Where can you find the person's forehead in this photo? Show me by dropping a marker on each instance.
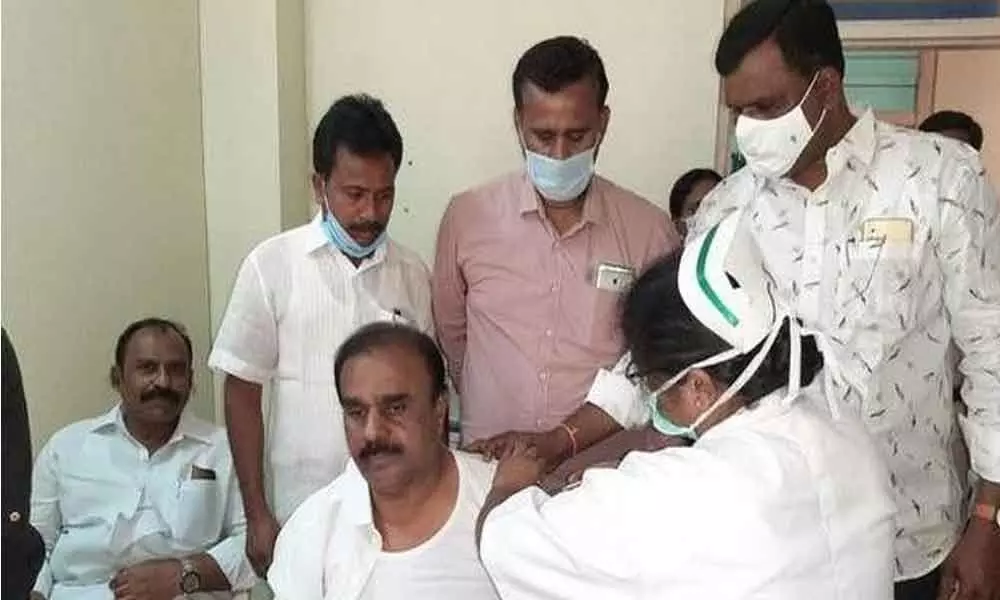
(352, 166)
(156, 343)
(385, 371)
(578, 99)
(762, 73)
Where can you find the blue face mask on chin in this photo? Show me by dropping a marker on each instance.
(342, 240)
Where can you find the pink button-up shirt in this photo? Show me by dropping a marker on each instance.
(520, 319)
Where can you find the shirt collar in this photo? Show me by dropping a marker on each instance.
(355, 497)
(188, 427)
(859, 143)
(313, 238)
(594, 209)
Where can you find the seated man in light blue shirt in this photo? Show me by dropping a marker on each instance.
(141, 503)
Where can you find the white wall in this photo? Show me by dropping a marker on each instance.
(443, 67)
(103, 200)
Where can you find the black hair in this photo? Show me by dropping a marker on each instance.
(555, 64)
(665, 338)
(384, 334)
(953, 119)
(360, 124)
(683, 186)
(805, 31)
(163, 325)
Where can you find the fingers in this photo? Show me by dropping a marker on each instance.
(519, 447)
(950, 589)
(947, 587)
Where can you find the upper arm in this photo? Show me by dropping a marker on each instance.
(968, 249)
(247, 342)
(46, 516)
(448, 290)
(448, 283)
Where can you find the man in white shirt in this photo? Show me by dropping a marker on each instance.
(400, 522)
(297, 297)
(141, 503)
(885, 241)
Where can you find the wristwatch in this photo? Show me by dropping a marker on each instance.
(987, 512)
(190, 579)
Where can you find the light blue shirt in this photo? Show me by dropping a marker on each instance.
(101, 502)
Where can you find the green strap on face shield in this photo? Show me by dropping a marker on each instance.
(727, 314)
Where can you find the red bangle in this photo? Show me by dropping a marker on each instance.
(571, 432)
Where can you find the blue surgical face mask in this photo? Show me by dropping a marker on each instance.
(561, 180)
(662, 422)
(343, 241)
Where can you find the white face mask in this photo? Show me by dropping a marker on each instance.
(771, 146)
(560, 180)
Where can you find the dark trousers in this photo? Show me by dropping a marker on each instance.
(924, 588)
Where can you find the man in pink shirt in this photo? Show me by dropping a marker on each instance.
(530, 267)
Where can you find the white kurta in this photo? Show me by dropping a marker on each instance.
(295, 300)
(331, 550)
(775, 502)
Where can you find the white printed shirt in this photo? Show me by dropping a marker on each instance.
(101, 502)
(887, 310)
(295, 301)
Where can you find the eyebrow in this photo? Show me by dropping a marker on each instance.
(393, 398)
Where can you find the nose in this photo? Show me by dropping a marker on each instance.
(366, 210)
(373, 425)
(562, 149)
(162, 377)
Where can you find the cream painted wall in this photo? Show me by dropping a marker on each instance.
(103, 199)
(443, 67)
(255, 133)
(968, 80)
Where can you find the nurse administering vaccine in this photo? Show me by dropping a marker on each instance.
(774, 498)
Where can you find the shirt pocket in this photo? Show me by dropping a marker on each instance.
(878, 286)
(200, 510)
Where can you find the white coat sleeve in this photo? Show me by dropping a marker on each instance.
(617, 396)
(578, 544)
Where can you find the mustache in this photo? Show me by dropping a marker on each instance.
(372, 227)
(372, 449)
(161, 393)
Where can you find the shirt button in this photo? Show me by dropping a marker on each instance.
(543, 375)
(548, 333)
(14, 517)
